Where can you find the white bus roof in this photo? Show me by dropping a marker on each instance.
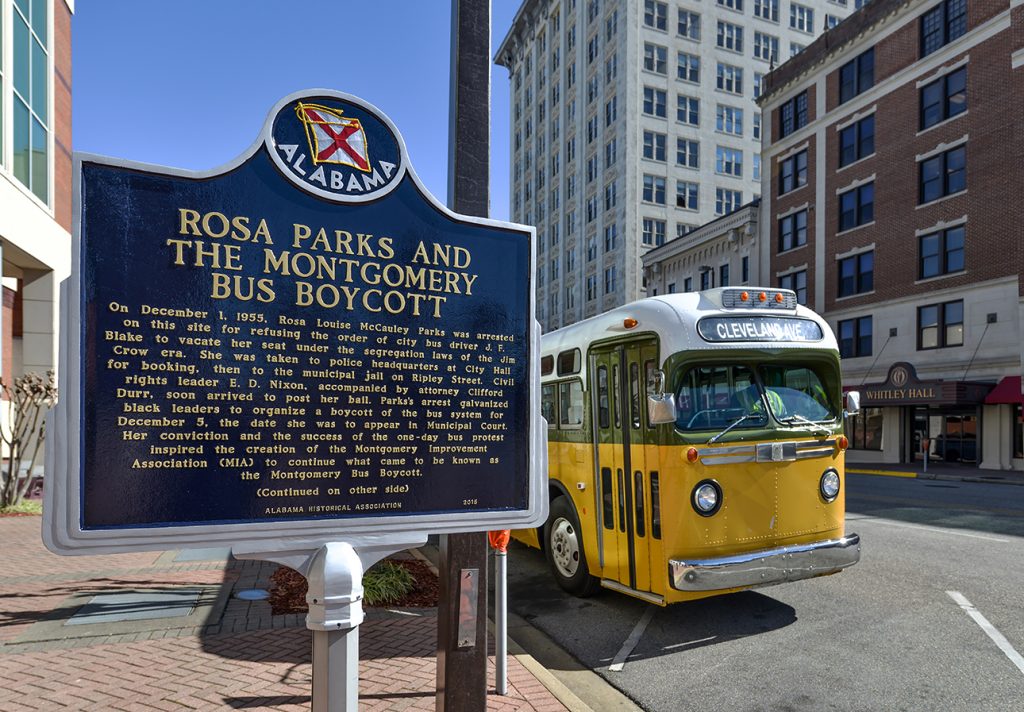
(673, 319)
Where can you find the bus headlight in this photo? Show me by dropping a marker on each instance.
(829, 485)
(706, 498)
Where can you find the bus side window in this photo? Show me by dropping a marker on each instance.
(602, 397)
(547, 404)
(634, 394)
(570, 401)
(615, 395)
(655, 506)
(638, 501)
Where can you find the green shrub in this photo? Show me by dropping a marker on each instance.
(386, 582)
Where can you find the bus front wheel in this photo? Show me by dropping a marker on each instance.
(563, 544)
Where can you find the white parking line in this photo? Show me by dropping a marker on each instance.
(634, 637)
(990, 630)
(937, 530)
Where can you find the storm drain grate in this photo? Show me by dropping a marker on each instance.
(136, 606)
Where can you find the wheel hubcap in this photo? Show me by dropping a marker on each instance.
(565, 547)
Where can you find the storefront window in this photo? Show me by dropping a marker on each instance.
(1018, 430)
(865, 429)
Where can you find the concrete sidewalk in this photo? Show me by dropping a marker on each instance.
(218, 653)
(938, 470)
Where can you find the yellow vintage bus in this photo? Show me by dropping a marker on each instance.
(695, 447)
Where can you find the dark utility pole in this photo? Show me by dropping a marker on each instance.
(462, 609)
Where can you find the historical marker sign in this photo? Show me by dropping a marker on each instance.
(303, 344)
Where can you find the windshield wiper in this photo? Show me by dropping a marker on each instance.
(732, 425)
(816, 428)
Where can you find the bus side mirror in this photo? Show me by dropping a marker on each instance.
(852, 403)
(661, 406)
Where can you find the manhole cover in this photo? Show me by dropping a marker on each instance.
(135, 606)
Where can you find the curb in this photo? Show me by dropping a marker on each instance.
(990, 480)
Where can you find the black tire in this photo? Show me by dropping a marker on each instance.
(563, 546)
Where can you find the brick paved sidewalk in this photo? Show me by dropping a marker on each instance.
(239, 657)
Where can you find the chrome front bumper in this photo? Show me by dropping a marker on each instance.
(766, 567)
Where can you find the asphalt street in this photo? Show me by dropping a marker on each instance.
(930, 619)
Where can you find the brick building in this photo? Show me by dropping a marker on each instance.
(891, 195)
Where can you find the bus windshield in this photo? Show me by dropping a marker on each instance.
(713, 397)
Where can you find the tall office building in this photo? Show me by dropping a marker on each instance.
(634, 122)
(35, 178)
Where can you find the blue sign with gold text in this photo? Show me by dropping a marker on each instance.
(305, 335)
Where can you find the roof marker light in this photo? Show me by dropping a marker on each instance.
(629, 323)
(778, 297)
(692, 454)
(762, 297)
(842, 442)
(744, 296)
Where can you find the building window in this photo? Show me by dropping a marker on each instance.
(611, 25)
(767, 10)
(766, 47)
(688, 67)
(726, 201)
(610, 152)
(723, 275)
(729, 78)
(654, 102)
(609, 196)
(756, 166)
(942, 25)
(729, 119)
(687, 153)
(857, 206)
(688, 284)
(831, 21)
(688, 110)
(591, 287)
(609, 280)
(796, 281)
(611, 111)
(796, 48)
(654, 146)
(707, 279)
(865, 429)
(687, 195)
(745, 269)
(655, 58)
(736, 5)
(758, 83)
(683, 229)
(689, 25)
(793, 172)
(653, 233)
(30, 93)
(611, 237)
(654, 189)
(857, 141)
(855, 337)
(941, 252)
(593, 47)
(592, 248)
(943, 174)
(757, 124)
(857, 274)
(730, 36)
(944, 98)
(940, 326)
(655, 14)
(729, 161)
(801, 18)
(793, 231)
(591, 209)
(857, 76)
(793, 115)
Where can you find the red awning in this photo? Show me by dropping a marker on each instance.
(1006, 391)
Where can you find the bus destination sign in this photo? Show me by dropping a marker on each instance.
(303, 342)
(758, 328)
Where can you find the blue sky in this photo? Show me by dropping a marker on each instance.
(189, 83)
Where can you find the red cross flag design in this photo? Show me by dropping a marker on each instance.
(334, 138)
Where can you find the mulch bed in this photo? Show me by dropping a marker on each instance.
(288, 594)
